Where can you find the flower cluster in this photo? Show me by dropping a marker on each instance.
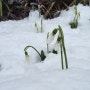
(59, 44)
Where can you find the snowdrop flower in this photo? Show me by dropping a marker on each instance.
(50, 37)
(27, 58)
(57, 45)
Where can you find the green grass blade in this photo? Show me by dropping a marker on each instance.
(63, 46)
(0, 8)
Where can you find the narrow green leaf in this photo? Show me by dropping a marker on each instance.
(42, 55)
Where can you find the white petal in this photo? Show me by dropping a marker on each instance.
(56, 46)
(50, 39)
(27, 59)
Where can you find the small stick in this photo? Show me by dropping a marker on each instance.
(48, 11)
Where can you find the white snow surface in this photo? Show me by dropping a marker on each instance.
(16, 74)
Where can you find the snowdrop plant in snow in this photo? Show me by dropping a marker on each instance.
(27, 58)
(39, 28)
(74, 23)
(42, 55)
(62, 46)
(50, 38)
(58, 45)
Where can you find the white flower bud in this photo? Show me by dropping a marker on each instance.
(27, 58)
(50, 38)
(56, 46)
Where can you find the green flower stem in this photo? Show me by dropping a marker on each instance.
(41, 25)
(33, 48)
(47, 43)
(61, 56)
(63, 45)
(65, 56)
(36, 27)
(47, 48)
(66, 63)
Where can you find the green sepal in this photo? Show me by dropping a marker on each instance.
(26, 53)
(54, 32)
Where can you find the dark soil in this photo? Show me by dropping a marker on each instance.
(47, 8)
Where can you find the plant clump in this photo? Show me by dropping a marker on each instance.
(74, 23)
(59, 45)
(42, 55)
(39, 28)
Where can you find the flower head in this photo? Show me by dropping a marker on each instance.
(57, 45)
(27, 59)
(50, 37)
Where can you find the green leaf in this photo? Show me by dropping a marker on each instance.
(42, 55)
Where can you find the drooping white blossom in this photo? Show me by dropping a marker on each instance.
(50, 38)
(27, 59)
(56, 46)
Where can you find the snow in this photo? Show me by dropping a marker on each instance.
(16, 74)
